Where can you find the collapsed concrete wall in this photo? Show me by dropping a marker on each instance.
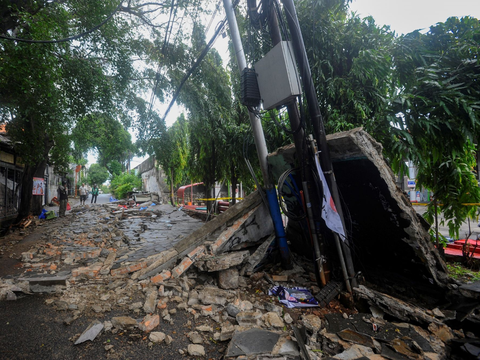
(387, 234)
(389, 242)
(153, 178)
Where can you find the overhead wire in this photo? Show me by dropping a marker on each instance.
(70, 38)
(162, 52)
(219, 29)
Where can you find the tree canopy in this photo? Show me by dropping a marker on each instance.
(97, 174)
(435, 115)
(74, 75)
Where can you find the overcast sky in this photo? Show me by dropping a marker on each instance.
(408, 15)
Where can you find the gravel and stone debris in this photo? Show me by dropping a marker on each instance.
(133, 272)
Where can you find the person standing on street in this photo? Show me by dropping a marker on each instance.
(94, 194)
(83, 193)
(62, 195)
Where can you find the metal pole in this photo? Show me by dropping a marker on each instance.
(319, 130)
(254, 120)
(260, 143)
(313, 234)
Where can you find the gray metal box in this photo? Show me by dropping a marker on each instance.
(278, 80)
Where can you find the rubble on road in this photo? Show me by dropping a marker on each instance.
(138, 271)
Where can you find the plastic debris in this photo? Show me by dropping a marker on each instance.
(294, 296)
(42, 215)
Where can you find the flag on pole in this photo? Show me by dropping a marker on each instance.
(329, 211)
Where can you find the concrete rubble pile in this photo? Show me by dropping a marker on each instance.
(143, 271)
(141, 266)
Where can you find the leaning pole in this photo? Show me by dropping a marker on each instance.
(260, 143)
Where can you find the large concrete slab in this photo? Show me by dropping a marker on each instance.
(389, 242)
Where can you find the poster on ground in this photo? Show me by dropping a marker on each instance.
(38, 186)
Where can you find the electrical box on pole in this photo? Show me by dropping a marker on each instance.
(250, 94)
(278, 79)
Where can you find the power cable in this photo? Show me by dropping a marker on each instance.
(164, 46)
(219, 29)
(68, 38)
(213, 16)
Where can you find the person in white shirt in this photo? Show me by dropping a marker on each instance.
(83, 194)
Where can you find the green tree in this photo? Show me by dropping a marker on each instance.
(124, 183)
(45, 87)
(171, 152)
(97, 174)
(114, 168)
(351, 61)
(436, 113)
(105, 135)
(207, 97)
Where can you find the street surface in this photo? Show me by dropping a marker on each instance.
(468, 227)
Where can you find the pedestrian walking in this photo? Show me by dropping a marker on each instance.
(83, 193)
(94, 194)
(62, 195)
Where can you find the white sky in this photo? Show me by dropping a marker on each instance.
(408, 15)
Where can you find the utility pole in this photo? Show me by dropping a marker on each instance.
(260, 143)
(319, 130)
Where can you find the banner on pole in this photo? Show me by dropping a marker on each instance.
(329, 211)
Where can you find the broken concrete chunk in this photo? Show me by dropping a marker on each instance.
(204, 328)
(249, 318)
(149, 323)
(287, 318)
(286, 347)
(212, 295)
(272, 319)
(10, 296)
(107, 265)
(124, 322)
(222, 262)
(196, 350)
(312, 322)
(227, 331)
(355, 352)
(442, 331)
(273, 308)
(228, 279)
(150, 301)
(90, 332)
(195, 337)
(438, 313)
(157, 337)
(252, 342)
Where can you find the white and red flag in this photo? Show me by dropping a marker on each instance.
(329, 211)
